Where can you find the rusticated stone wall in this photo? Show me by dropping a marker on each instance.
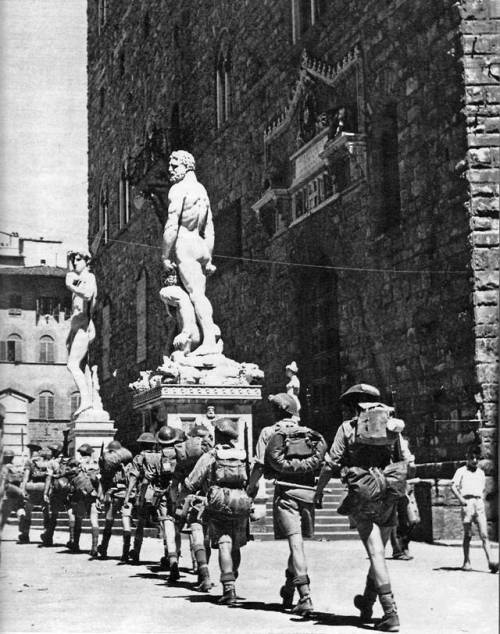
(425, 334)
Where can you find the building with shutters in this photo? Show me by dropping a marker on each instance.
(36, 389)
(348, 149)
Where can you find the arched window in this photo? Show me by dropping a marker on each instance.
(141, 317)
(104, 213)
(75, 402)
(124, 195)
(11, 349)
(46, 405)
(223, 85)
(47, 348)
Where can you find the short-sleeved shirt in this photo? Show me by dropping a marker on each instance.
(470, 482)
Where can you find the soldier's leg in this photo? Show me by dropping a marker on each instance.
(24, 515)
(109, 516)
(301, 579)
(77, 530)
(71, 524)
(94, 523)
(135, 553)
(127, 531)
(198, 546)
(288, 589)
(227, 576)
(171, 546)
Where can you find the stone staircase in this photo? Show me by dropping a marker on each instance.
(329, 525)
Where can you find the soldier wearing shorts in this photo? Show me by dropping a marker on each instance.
(84, 498)
(468, 487)
(293, 508)
(221, 474)
(32, 487)
(13, 499)
(55, 495)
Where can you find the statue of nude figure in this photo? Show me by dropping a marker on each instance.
(81, 282)
(188, 241)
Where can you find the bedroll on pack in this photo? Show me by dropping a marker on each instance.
(188, 452)
(82, 483)
(376, 426)
(111, 461)
(167, 465)
(295, 451)
(226, 502)
(229, 469)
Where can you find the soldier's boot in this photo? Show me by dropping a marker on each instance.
(102, 549)
(390, 621)
(364, 602)
(229, 591)
(24, 527)
(126, 547)
(77, 531)
(95, 541)
(71, 541)
(47, 537)
(304, 606)
(173, 565)
(204, 581)
(164, 562)
(135, 553)
(288, 590)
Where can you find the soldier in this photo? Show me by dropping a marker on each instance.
(13, 497)
(361, 453)
(32, 486)
(143, 499)
(112, 489)
(84, 499)
(221, 474)
(55, 495)
(293, 454)
(191, 513)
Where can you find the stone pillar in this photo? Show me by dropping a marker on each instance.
(90, 427)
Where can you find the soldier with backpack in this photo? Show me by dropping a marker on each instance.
(13, 498)
(190, 513)
(32, 487)
(143, 497)
(291, 454)
(221, 474)
(55, 494)
(112, 488)
(84, 478)
(367, 454)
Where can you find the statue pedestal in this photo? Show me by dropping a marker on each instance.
(183, 406)
(93, 432)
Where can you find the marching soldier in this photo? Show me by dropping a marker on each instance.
(362, 452)
(84, 499)
(112, 489)
(221, 474)
(143, 499)
(13, 498)
(55, 495)
(33, 485)
(292, 454)
(190, 513)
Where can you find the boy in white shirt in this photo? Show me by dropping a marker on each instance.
(468, 487)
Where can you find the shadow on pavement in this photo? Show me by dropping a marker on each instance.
(455, 568)
(325, 618)
(258, 605)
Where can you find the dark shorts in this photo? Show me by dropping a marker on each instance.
(237, 529)
(292, 517)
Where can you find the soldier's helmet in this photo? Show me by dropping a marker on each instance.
(285, 402)
(146, 438)
(361, 392)
(34, 446)
(46, 453)
(114, 445)
(181, 435)
(55, 447)
(8, 453)
(85, 450)
(227, 428)
(167, 435)
(200, 431)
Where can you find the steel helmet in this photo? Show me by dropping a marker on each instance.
(199, 430)
(285, 402)
(227, 427)
(55, 446)
(114, 445)
(146, 438)
(361, 392)
(167, 435)
(85, 450)
(8, 453)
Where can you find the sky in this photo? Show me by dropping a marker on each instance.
(43, 120)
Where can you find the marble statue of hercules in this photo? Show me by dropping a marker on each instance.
(188, 241)
(81, 282)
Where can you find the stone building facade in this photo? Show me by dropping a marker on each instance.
(350, 151)
(36, 389)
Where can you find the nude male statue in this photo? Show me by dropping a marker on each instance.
(188, 241)
(81, 282)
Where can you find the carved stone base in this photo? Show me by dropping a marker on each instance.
(182, 406)
(92, 432)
